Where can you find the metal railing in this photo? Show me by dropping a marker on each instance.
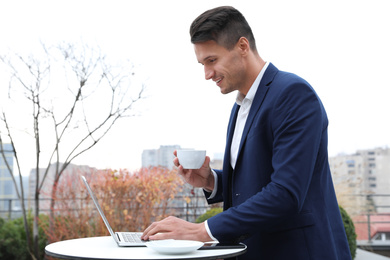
(369, 222)
(372, 214)
(10, 209)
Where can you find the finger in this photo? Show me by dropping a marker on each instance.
(206, 162)
(176, 162)
(161, 236)
(150, 231)
(146, 232)
(153, 229)
(185, 173)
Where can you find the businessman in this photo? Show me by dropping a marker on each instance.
(275, 184)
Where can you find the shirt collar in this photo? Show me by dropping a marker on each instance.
(252, 91)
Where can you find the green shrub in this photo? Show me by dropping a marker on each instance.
(13, 244)
(350, 231)
(211, 212)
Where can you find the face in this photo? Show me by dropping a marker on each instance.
(225, 67)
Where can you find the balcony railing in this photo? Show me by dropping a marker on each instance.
(10, 207)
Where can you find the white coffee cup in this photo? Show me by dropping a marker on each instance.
(191, 159)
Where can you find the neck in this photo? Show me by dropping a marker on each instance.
(255, 65)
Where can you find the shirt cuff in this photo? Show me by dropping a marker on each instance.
(209, 232)
(214, 191)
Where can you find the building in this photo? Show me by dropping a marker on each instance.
(159, 157)
(10, 206)
(72, 171)
(362, 180)
(7, 187)
(377, 225)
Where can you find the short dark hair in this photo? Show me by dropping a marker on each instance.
(224, 25)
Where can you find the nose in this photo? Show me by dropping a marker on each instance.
(208, 73)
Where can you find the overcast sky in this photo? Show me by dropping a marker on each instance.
(340, 47)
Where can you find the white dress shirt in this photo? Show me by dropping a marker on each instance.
(245, 103)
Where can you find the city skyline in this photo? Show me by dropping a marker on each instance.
(340, 48)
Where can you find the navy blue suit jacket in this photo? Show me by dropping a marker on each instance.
(279, 200)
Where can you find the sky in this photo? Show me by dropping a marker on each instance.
(340, 47)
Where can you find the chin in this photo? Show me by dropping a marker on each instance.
(225, 91)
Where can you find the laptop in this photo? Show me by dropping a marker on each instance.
(121, 238)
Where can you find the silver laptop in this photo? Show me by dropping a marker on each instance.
(121, 238)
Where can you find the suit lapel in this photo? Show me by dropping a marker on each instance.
(257, 101)
(230, 133)
(227, 192)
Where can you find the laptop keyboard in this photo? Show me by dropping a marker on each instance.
(132, 237)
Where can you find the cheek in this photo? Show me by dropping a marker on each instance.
(235, 66)
(236, 72)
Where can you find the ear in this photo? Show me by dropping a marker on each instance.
(243, 45)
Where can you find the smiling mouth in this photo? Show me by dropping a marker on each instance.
(218, 81)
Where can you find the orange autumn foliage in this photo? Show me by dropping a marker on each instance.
(130, 201)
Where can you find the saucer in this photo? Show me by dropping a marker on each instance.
(171, 246)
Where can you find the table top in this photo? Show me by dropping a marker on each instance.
(106, 248)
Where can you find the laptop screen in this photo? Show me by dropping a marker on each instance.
(99, 208)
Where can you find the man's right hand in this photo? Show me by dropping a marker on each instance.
(199, 178)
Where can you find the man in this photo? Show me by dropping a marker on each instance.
(275, 184)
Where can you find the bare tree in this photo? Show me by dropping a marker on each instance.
(66, 101)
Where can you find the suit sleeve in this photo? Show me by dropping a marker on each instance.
(297, 125)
